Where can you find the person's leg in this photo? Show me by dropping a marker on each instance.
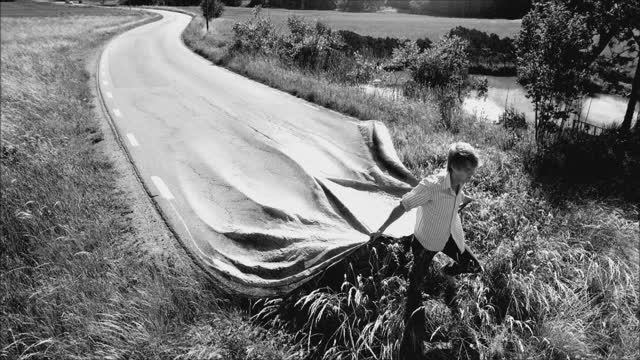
(411, 347)
(465, 262)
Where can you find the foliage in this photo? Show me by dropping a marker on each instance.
(488, 53)
(439, 74)
(310, 45)
(405, 56)
(510, 9)
(377, 47)
(551, 64)
(296, 4)
(256, 35)
(211, 9)
(362, 71)
(512, 119)
(612, 26)
(572, 158)
(559, 281)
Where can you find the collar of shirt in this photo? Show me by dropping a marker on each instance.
(447, 183)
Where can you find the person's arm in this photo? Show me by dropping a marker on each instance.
(395, 214)
(419, 195)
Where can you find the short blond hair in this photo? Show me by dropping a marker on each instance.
(461, 153)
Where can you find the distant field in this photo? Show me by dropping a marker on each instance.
(403, 26)
(40, 9)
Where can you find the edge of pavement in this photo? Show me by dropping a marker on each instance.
(153, 232)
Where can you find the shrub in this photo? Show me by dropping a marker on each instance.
(488, 53)
(310, 45)
(439, 74)
(570, 161)
(255, 35)
(378, 47)
(362, 70)
(512, 119)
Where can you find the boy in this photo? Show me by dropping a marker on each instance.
(438, 228)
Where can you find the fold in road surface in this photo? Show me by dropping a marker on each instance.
(265, 190)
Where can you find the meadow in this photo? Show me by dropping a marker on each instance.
(561, 259)
(398, 25)
(25, 8)
(80, 281)
(81, 278)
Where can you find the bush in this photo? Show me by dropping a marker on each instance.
(440, 74)
(293, 4)
(378, 47)
(488, 53)
(255, 35)
(310, 45)
(512, 119)
(510, 9)
(570, 163)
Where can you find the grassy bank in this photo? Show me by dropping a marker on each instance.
(561, 276)
(78, 279)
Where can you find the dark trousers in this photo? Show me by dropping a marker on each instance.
(411, 346)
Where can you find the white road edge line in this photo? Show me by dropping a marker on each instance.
(162, 187)
(132, 140)
(117, 112)
(109, 94)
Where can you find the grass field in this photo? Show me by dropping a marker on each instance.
(402, 26)
(77, 279)
(46, 9)
(561, 278)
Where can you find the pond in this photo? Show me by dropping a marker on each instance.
(601, 110)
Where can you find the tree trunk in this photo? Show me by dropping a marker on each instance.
(633, 99)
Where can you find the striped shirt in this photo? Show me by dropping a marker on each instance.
(437, 214)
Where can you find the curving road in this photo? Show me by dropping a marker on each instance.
(264, 189)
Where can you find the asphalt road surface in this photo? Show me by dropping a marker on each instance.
(264, 189)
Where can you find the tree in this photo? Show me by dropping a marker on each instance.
(551, 63)
(613, 25)
(211, 9)
(442, 70)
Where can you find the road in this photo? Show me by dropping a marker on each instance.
(264, 189)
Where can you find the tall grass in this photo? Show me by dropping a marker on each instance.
(78, 281)
(561, 281)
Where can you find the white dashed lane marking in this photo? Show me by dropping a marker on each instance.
(162, 187)
(132, 140)
(109, 94)
(117, 112)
